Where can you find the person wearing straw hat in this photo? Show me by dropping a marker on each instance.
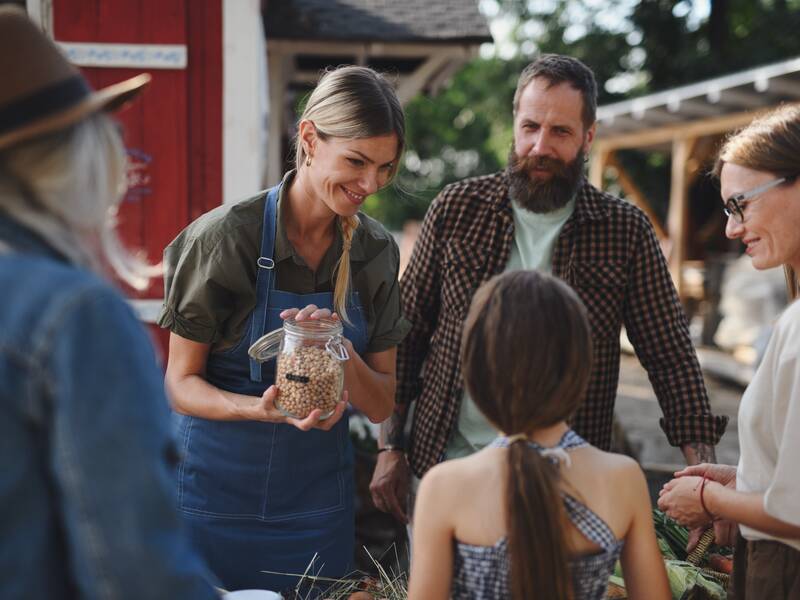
(86, 456)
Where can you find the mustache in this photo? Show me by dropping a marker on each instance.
(526, 164)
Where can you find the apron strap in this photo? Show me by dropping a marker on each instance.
(265, 277)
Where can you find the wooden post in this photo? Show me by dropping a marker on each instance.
(277, 86)
(636, 196)
(597, 167)
(243, 82)
(677, 219)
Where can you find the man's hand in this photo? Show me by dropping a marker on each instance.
(390, 483)
(697, 453)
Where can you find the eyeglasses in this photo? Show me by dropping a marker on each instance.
(735, 205)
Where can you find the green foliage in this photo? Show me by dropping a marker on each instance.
(634, 47)
(464, 130)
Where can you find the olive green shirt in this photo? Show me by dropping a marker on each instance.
(210, 274)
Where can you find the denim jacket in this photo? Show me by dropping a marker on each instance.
(87, 487)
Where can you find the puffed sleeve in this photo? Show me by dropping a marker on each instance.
(203, 279)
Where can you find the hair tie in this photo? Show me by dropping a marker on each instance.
(517, 437)
(556, 456)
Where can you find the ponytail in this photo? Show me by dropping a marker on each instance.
(542, 323)
(537, 543)
(341, 289)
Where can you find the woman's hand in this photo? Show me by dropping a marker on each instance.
(265, 410)
(309, 312)
(680, 499)
(724, 531)
(370, 380)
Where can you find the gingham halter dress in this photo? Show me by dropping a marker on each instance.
(481, 572)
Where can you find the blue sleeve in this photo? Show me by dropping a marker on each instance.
(113, 457)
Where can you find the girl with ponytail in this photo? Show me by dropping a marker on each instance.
(263, 491)
(539, 513)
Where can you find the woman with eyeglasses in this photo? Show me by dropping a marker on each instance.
(758, 170)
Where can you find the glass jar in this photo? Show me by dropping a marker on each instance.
(309, 371)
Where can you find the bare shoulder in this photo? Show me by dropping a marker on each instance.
(440, 479)
(612, 485)
(436, 476)
(618, 470)
(455, 477)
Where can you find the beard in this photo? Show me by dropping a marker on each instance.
(543, 195)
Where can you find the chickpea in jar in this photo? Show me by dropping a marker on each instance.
(309, 377)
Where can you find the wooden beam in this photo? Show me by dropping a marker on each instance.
(783, 86)
(677, 219)
(658, 115)
(694, 108)
(660, 135)
(452, 67)
(636, 196)
(398, 49)
(411, 85)
(742, 98)
(597, 167)
(704, 148)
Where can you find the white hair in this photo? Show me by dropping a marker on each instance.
(67, 187)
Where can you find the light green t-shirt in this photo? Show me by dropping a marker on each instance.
(535, 236)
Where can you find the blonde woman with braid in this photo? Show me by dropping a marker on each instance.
(259, 490)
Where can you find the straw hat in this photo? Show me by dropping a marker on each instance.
(40, 91)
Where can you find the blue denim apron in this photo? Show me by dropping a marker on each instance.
(265, 496)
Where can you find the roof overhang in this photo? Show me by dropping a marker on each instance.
(726, 101)
(418, 66)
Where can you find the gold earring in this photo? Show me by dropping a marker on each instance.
(308, 160)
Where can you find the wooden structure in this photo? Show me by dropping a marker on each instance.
(215, 119)
(687, 122)
(420, 42)
(179, 152)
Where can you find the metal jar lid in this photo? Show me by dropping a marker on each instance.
(268, 345)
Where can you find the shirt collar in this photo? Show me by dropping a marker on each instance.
(16, 237)
(283, 248)
(590, 205)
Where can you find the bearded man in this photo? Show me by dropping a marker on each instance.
(540, 213)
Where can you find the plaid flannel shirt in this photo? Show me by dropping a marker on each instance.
(607, 252)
